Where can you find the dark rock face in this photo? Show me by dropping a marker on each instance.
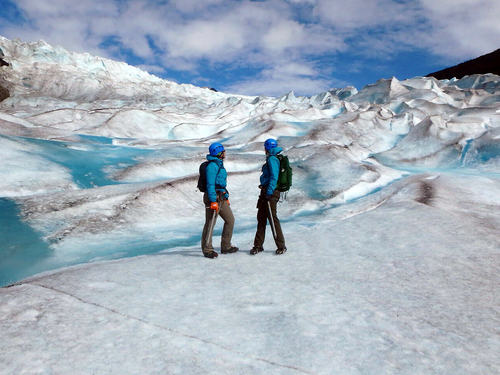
(4, 93)
(426, 193)
(489, 63)
(2, 61)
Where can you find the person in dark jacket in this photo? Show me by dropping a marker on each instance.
(216, 200)
(268, 199)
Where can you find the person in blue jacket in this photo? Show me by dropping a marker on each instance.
(269, 193)
(216, 200)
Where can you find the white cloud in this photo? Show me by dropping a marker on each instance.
(59, 24)
(302, 1)
(253, 33)
(462, 28)
(217, 30)
(262, 35)
(302, 78)
(278, 87)
(283, 35)
(296, 69)
(448, 28)
(153, 69)
(190, 6)
(206, 39)
(355, 14)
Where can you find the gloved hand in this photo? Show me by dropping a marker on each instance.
(268, 197)
(214, 206)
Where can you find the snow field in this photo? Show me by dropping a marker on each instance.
(367, 293)
(391, 226)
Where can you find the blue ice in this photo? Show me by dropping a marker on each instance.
(87, 160)
(22, 252)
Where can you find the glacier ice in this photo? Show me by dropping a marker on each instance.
(392, 224)
(127, 127)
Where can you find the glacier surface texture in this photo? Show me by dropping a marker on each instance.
(392, 225)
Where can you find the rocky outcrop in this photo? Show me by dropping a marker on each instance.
(489, 63)
(2, 61)
(4, 93)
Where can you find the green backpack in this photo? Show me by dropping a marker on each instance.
(285, 176)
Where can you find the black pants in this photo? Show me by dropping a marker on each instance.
(263, 217)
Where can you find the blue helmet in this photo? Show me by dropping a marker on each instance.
(215, 149)
(270, 143)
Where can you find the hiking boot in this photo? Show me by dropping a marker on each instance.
(211, 254)
(232, 249)
(256, 249)
(281, 250)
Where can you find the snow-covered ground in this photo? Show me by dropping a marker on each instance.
(392, 226)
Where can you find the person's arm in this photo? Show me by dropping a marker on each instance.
(274, 171)
(212, 169)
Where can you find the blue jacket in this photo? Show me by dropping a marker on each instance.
(216, 178)
(271, 171)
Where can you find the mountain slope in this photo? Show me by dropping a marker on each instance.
(489, 63)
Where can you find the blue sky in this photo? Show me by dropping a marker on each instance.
(269, 46)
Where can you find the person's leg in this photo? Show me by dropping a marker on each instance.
(226, 214)
(280, 239)
(206, 243)
(262, 215)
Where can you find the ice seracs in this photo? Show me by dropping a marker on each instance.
(391, 224)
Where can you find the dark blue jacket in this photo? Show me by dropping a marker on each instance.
(271, 171)
(216, 178)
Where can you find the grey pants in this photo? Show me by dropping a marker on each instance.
(226, 214)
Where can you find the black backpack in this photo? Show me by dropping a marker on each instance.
(202, 179)
(285, 176)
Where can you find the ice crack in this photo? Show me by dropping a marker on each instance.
(170, 330)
